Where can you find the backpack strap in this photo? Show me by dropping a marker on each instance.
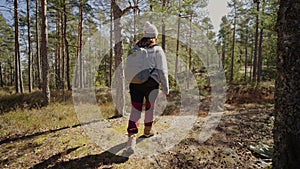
(152, 71)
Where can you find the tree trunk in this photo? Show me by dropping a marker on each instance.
(29, 48)
(11, 75)
(111, 46)
(20, 68)
(207, 51)
(118, 49)
(16, 45)
(80, 45)
(67, 50)
(287, 97)
(38, 57)
(246, 57)
(259, 60)
(233, 48)
(177, 44)
(64, 24)
(163, 29)
(190, 44)
(134, 22)
(190, 53)
(57, 58)
(254, 77)
(1, 76)
(251, 59)
(260, 57)
(223, 54)
(44, 53)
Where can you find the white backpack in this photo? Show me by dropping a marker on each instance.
(137, 68)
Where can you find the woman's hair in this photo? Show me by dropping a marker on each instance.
(147, 42)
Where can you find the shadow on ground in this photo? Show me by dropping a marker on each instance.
(90, 161)
(107, 157)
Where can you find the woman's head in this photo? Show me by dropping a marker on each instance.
(150, 34)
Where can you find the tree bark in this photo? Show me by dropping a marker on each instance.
(68, 60)
(18, 70)
(190, 43)
(246, 58)
(16, 13)
(20, 67)
(57, 58)
(259, 60)
(177, 47)
(80, 44)
(233, 46)
(118, 49)
(177, 43)
(251, 59)
(111, 46)
(38, 57)
(11, 74)
(134, 22)
(29, 47)
(287, 87)
(44, 53)
(223, 55)
(1, 76)
(190, 52)
(64, 24)
(260, 57)
(254, 76)
(163, 29)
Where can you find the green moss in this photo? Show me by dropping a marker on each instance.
(3, 132)
(41, 139)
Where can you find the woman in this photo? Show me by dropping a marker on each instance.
(149, 89)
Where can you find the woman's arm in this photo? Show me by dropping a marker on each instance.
(162, 68)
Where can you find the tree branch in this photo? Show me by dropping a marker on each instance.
(115, 6)
(129, 8)
(121, 12)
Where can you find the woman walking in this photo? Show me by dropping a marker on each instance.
(148, 90)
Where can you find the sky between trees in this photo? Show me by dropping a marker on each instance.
(216, 9)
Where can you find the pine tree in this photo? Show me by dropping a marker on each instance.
(118, 49)
(37, 40)
(29, 48)
(18, 69)
(44, 53)
(287, 110)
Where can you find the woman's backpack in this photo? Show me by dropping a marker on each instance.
(137, 67)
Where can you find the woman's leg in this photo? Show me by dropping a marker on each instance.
(149, 114)
(137, 98)
(151, 93)
(151, 96)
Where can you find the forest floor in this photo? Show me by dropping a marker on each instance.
(52, 137)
